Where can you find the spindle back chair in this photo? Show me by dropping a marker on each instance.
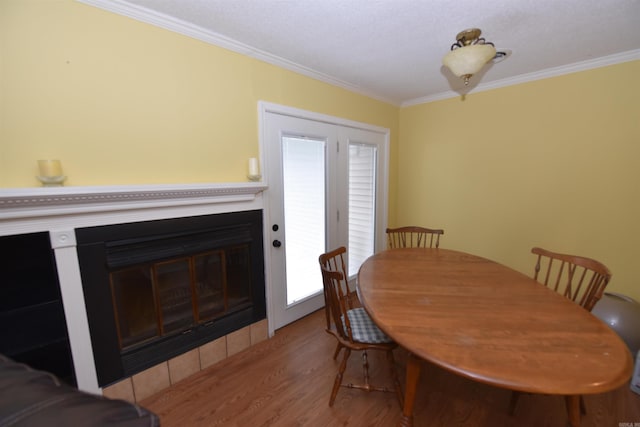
(413, 237)
(582, 280)
(352, 326)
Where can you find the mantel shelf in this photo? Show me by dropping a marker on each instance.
(47, 201)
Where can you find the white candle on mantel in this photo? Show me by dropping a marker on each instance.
(50, 168)
(253, 167)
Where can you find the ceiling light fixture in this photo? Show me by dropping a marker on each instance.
(469, 54)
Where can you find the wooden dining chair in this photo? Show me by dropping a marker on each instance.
(413, 237)
(335, 261)
(580, 279)
(352, 327)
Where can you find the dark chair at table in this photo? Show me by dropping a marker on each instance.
(413, 237)
(335, 261)
(352, 326)
(578, 278)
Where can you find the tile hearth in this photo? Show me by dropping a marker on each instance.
(163, 375)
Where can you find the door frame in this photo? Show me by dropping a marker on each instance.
(268, 107)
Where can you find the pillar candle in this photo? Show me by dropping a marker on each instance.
(50, 168)
(253, 166)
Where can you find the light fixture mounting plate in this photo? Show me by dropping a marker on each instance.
(468, 36)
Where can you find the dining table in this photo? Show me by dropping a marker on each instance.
(490, 323)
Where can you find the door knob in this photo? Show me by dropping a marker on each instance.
(276, 243)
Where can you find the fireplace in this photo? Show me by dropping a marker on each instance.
(156, 289)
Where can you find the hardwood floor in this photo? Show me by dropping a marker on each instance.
(287, 380)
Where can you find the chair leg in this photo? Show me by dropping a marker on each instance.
(365, 370)
(338, 381)
(394, 378)
(583, 407)
(515, 395)
(337, 352)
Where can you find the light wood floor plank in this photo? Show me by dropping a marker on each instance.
(287, 380)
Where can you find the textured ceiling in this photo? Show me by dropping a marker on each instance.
(392, 49)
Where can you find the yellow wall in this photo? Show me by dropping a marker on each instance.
(123, 102)
(551, 163)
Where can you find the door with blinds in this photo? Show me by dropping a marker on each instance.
(326, 188)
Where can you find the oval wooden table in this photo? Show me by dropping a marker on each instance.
(487, 322)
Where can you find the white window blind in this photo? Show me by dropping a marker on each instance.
(303, 165)
(362, 203)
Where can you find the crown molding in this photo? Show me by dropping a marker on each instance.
(632, 55)
(121, 7)
(161, 20)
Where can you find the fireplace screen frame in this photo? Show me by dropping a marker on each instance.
(161, 298)
(104, 250)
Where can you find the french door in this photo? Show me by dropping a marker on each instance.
(326, 188)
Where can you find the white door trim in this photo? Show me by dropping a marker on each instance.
(267, 107)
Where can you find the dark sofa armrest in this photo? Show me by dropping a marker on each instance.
(31, 398)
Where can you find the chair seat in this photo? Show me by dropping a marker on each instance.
(363, 328)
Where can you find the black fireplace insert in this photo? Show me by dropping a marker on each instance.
(156, 289)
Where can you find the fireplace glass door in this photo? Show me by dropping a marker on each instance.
(172, 296)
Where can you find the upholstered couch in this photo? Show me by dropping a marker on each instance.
(31, 398)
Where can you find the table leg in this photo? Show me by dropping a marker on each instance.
(413, 374)
(573, 410)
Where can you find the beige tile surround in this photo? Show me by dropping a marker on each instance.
(163, 375)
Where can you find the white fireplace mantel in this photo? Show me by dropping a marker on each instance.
(46, 208)
(61, 210)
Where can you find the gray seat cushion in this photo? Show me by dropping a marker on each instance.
(363, 329)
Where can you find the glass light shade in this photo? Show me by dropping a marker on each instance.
(468, 60)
